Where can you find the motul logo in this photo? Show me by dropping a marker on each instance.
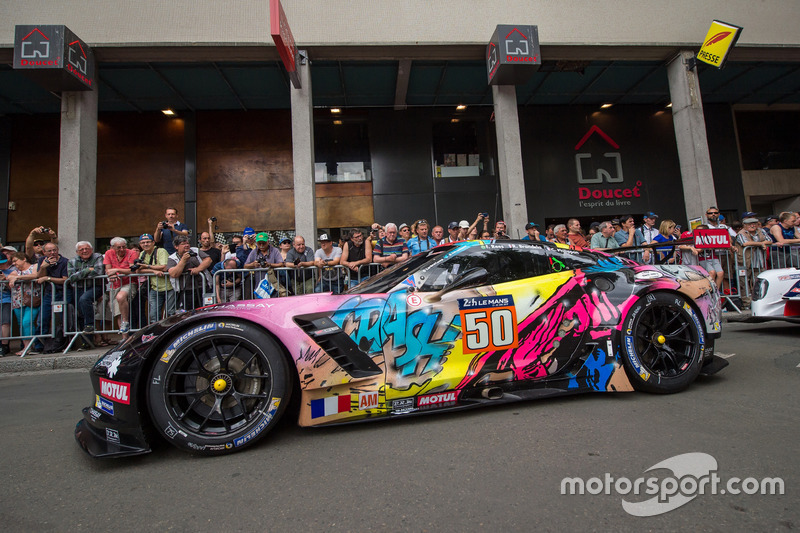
(712, 239)
(437, 399)
(114, 390)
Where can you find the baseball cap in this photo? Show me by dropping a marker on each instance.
(452, 225)
(771, 217)
(615, 221)
(9, 248)
(530, 225)
(650, 214)
(594, 225)
(463, 224)
(145, 237)
(287, 239)
(401, 226)
(749, 220)
(248, 231)
(262, 237)
(749, 214)
(324, 237)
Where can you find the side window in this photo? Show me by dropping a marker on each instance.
(511, 265)
(560, 261)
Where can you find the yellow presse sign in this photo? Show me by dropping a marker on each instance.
(718, 42)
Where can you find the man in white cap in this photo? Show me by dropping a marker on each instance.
(326, 258)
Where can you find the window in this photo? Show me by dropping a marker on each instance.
(462, 148)
(341, 150)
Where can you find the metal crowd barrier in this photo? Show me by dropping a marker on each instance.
(740, 269)
(31, 322)
(151, 297)
(755, 261)
(241, 284)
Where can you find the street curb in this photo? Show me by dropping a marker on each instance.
(33, 363)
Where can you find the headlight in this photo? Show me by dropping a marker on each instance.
(760, 288)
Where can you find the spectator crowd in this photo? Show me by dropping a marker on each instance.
(162, 273)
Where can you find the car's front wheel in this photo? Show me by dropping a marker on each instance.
(218, 387)
(663, 343)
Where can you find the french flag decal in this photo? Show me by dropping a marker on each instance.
(330, 406)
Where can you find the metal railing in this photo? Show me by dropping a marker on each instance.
(64, 312)
(83, 311)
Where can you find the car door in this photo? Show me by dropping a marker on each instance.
(517, 323)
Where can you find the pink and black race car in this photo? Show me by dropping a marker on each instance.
(464, 325)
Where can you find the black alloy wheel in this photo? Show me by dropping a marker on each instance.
(663, 343)
(218, 387)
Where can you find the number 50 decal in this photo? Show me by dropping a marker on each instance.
(489, 329)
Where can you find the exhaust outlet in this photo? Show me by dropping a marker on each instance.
(492, 393)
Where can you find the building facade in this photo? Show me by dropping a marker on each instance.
(403, 124)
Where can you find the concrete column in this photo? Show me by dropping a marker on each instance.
(305, 200)
(77, 170)
(509, 158)
(690, 135)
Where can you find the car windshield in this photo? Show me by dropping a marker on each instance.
(389, 278)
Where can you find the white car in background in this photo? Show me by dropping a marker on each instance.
(776, 295)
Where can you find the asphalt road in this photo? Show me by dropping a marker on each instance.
(488, 469)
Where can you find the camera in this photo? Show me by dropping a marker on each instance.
(297, 261)
(192, 253)
(262, 262)
(45, 230)
(485, 215)
(137, 263)
(165, 223)
(232, 247)
(213, 219)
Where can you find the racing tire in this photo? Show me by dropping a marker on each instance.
(218, 387)
(662, 343)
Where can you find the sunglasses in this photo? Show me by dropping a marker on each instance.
(712, 212)
(38, 243)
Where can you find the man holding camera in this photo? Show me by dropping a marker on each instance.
(52, 268)
(168, 229)
(37, 238)
(265, 256)
(188, 268)
(207, 246)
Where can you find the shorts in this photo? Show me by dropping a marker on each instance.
(130, 288)
(711, 264)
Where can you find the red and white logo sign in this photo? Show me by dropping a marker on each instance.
(437, 399)
(114, 390)
(413, 300)
(711, 238)
(368, 400)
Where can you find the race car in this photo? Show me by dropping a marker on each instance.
(776, 296)
(464, 325)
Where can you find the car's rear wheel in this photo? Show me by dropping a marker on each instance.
(218, 387)
(663, 343)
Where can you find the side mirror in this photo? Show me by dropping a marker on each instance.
(473, 277)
